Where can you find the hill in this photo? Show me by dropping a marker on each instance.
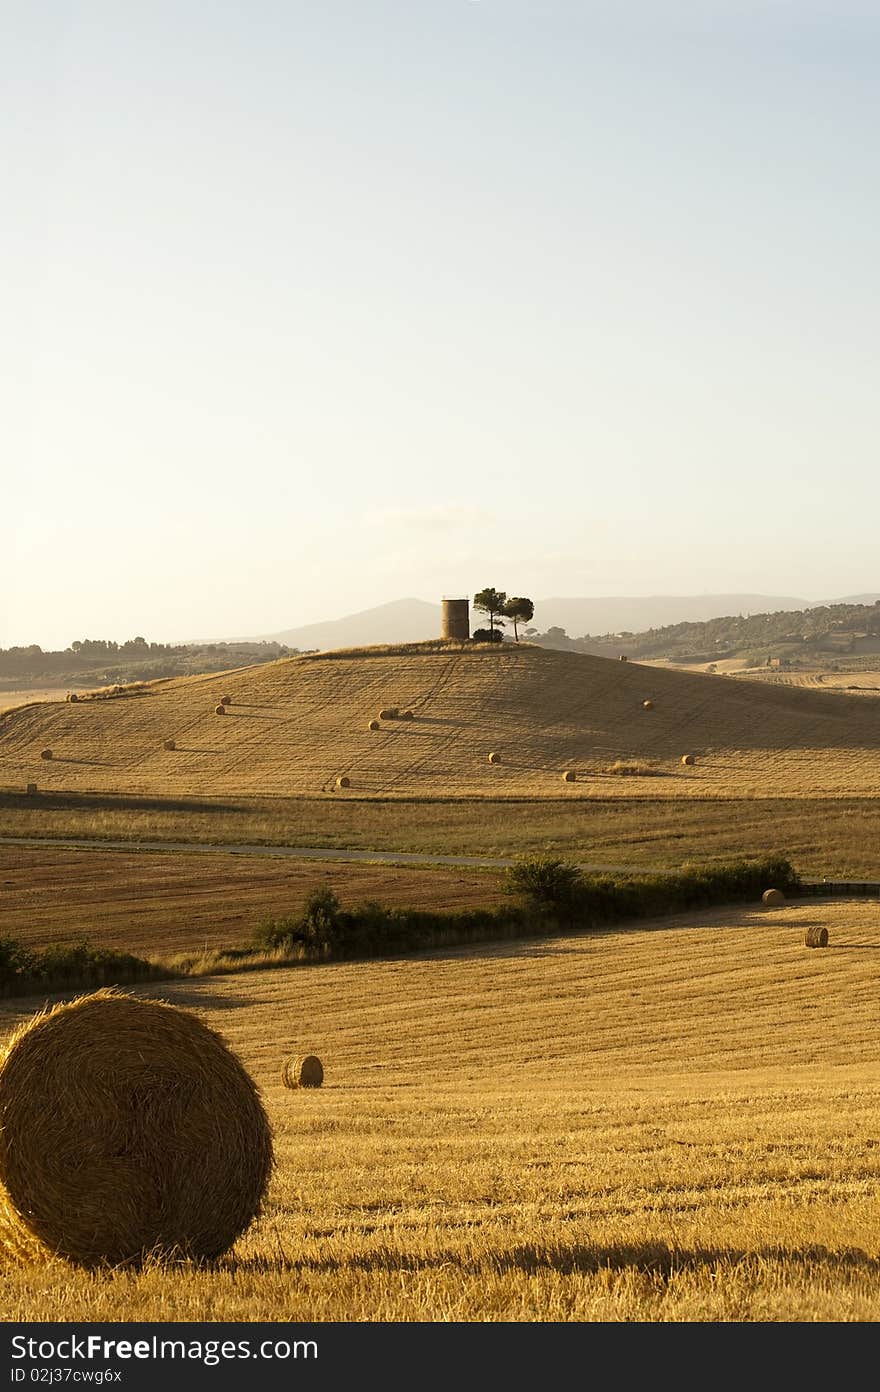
(401, 621)
(298, 724)
(413, 620)
(820, 632)
(101, 661)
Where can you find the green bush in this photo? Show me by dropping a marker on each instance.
(549, 886)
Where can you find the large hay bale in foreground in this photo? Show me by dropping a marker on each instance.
(816, 937)
(127, 1128)
(305, 1072)
(773, 896)
(494, 757)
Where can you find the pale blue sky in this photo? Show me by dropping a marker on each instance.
(309, 306)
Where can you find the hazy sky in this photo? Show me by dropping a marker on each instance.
(314, 304)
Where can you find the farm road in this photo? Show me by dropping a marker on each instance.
(295, 852)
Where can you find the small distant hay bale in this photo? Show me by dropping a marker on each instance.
(32, 790)
(307, 1072)
(374, 725)
(772, 896)
(226, 700)
(494, 757)
(169, 744)
(45, 753)
(688, 759)
(623, 658)
(816, 937)
(129, 1130)
(220, 709)
(389, 713)
(407, 715)
(343, 781)
(647, 705)
(569, 776)
(72, 696)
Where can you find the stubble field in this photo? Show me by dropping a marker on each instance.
(678, 1122)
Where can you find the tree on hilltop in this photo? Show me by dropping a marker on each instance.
(521, 610)
(491, 601)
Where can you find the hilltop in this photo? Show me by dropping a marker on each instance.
(297, 724)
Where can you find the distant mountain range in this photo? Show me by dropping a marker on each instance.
(410, 620)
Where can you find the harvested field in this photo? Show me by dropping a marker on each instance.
(160, 904)
(673, 1123)
(298, 722)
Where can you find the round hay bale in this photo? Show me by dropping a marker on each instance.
(226, 700)
(220, 709)
(688, 759)
(32, 790)
(168, 744)
(127, 1129)
(407, 715)
(623, 658)
(569, 776)
(647, 705)
(816, 937)
(305, 1072)
(45, 753)
(343, 781)
(72, 696)
(374, 725)
(772, 896)
(494, 757)
(388, 713)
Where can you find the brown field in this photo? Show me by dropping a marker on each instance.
(675, 1123)
(298, 724)
(829, 836)
(158, 905)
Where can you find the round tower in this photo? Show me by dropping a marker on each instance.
(455, 621)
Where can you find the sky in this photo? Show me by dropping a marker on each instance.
(311, 306)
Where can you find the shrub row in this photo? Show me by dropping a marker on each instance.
(24, 969)
(551, 895)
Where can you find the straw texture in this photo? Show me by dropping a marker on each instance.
(128, 1129)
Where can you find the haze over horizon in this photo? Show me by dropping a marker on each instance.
(315, 307)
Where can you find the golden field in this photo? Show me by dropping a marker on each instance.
(675, 1122)
(298, 724)
(9, 699)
